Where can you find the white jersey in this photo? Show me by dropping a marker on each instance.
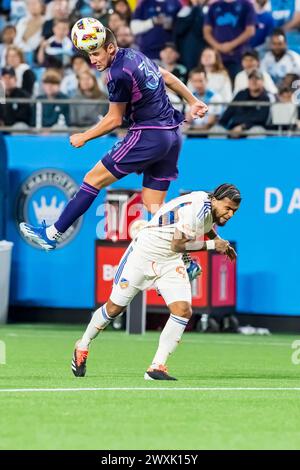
(190, 214)
(289, 63)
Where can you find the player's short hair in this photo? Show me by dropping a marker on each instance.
(227, 190)
(110, 38)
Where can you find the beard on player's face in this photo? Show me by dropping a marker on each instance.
(218, 218)
(223, 210)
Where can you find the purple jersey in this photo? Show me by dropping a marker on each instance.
(136, 80)
(228, 21)
(153, 40)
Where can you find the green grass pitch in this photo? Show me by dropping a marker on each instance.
(175, 415)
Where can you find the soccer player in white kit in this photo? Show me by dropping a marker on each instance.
(154, 258)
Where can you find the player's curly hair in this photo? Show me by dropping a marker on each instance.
(227, 190)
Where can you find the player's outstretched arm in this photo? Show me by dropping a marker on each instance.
(182, 244)
(197, 107)
(111, 121)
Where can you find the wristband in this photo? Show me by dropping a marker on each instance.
(210, 244)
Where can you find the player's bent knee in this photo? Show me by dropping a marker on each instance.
(181, 309)
(113, 309)
(95, 180)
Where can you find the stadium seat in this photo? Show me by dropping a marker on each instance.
(283, 114)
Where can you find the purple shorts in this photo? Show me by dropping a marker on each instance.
(153, 152)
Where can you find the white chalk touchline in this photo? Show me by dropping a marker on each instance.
(200, 341)
(147, 389)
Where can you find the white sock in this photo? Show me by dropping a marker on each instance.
(99, 321)
(169, 339)
(52, 232)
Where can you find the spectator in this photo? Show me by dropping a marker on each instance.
(56, 52)
(18, 9)
(169, 60)
(293, 22)
(125, 37)
(279, 60)
(228, 27)
(115, 21)
(291, 80)
(286, 115)
(250, 62)
(24, 75)
(5, 6)
(285, 95)
(291, 27)
(29, 29)
(284, 13)
(217, 77)
(100, 11)
(188, 33)
(85, 115)
(264, 23)
(50, 114)
(12, 114)
(198, 81)
(69, 84)
(253, 118)
(60, 11)
(8, 36)
(152, 23)
(122, 7)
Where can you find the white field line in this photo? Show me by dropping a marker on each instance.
(150, 389)
(202, 341)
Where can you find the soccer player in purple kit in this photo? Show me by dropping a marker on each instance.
(136, 88)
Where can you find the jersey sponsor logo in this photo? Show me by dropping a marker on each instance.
(228, 19)
(124, 283)
(43, 196)
(181, 271)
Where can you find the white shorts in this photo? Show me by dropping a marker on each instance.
(136, 273)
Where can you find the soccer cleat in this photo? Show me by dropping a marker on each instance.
(79, 362)
(192, 267)
(38, 235)
(161, 373)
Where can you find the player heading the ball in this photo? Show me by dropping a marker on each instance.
(137, 92)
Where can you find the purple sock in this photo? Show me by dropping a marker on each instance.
(77, 206)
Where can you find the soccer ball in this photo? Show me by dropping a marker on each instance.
(88, 34)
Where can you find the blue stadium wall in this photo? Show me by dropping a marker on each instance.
(265, 228)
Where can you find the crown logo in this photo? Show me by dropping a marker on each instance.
(50, 213)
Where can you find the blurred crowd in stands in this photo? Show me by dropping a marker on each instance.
(224, 50)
